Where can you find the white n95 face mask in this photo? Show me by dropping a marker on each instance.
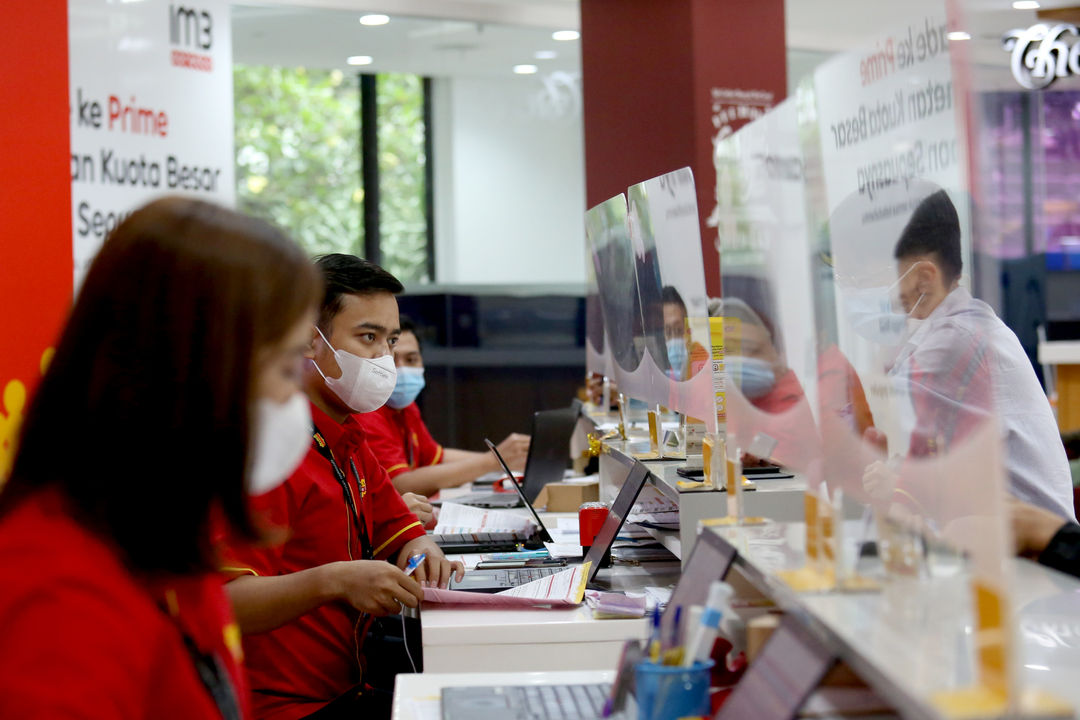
(872, 313)
(365, 384)
(281, 437)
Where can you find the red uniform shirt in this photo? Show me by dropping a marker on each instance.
(400, 439)
(302, 665)
(81, 637)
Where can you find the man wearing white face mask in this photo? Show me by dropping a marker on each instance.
(305, 605)
(962, 365)
(400, 440)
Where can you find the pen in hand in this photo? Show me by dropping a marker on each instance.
(414, 562)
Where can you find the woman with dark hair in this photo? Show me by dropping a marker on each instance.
(172, 396)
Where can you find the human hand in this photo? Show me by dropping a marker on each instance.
(515, 450)
(594, 389)
(375, 587)
(419, 506)
(879, 480)
(436, 570)
(1033, 527)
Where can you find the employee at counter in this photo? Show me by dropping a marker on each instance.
(305, 604)
(155, 421)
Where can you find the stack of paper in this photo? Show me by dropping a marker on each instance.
(564, 588)
(456, 518)
(565, 539)
(651, 500)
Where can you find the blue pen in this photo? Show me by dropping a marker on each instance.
(654, 640)
(676, 629)
(414, 562)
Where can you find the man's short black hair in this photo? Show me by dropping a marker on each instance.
(669, 295)
(934, 229)
(407, 325)
(350, 275)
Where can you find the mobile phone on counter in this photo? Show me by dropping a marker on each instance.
(511, 556)
(511, 564)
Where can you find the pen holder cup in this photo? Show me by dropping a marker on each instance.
(669, 692)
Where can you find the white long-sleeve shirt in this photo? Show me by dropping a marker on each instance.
(963, 363)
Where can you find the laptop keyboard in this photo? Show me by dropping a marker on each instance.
(563, 702)
(520, 576)
(479, 538)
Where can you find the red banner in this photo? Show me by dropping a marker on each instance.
(35, 203)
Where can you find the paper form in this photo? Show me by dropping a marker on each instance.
(651, 500)
(456, 518)
(565, 588)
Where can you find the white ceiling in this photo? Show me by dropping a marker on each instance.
(320, 37)
(487, 37)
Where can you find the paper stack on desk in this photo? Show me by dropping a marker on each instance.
(654, 510)
(566, 539)
(455, 518)
(565, 588)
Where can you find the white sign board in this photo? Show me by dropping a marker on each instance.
(151, 109)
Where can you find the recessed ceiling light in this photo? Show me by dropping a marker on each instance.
(525, 69)
(1025, 5)
(565, 35)
(959, 35)
(374, 19)
(359, 60)
(545, 55)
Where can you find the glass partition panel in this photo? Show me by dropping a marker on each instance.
(616, 275)
(768, 313)
(671, 287)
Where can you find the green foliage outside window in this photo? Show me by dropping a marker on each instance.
(298, 161)
(298, 154)
(402, 217)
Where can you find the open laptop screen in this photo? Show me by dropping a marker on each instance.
(709, 561)
(549, 449)
(778, 681)
(544, 534)
(624, 501)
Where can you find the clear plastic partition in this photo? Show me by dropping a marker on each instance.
(880, 135)
(929, 410)
(597, 349)
(769, 338)
(671, 288)
(616, 270)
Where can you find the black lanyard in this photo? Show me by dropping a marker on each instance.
(212, 673)
(350, 502)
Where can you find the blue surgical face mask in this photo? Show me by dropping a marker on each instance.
(676, 355)
(754, 377)
(410, 381)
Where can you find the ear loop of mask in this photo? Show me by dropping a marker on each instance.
(897, 282)
(313, 362)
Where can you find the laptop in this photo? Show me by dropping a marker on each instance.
(498, 542)
(710, 560)
(492, 581)
(548, 702)
(549, 454)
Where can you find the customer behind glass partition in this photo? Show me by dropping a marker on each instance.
(172, 395)
(685, 357)
(962, 365)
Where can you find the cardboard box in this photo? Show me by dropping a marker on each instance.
(568, 496)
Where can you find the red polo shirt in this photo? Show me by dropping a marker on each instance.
(81, 637)
(400, 439)
(302, 665)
